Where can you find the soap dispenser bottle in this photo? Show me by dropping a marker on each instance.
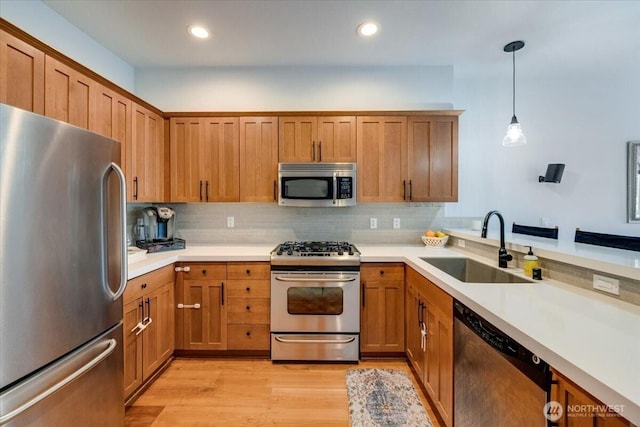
(530, 262)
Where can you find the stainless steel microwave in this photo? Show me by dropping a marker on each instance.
(317, 184)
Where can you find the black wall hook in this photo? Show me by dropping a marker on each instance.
(554, 173)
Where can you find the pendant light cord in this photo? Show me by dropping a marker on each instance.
(514, 82)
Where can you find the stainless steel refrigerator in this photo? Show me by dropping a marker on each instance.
(62, 274)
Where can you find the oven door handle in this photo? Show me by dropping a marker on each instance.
(314, 341)
(317, 279)
(335, 188)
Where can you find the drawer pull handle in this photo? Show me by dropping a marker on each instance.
(143, 286)
(179, 269)
(194, 306)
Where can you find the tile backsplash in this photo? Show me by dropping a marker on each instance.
(266, 223)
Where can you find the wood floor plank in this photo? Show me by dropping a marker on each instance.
(239, 392)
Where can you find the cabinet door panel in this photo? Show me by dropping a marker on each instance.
(67, 94)
(433, 158)
(132, 345)
(111, 117)
(204, 328)
(381, 152)
(21, 74)
(186, 136)
(220, 159)
(297, 138)
(336, 139)
(145, 157)
(258, 159)
(158, 338)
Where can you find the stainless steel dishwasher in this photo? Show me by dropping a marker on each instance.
(497, 381)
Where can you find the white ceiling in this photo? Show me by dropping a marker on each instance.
(574, 35)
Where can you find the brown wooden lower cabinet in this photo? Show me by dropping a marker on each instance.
(382, 308)
(223, 306)
(148, 326)
(249, 311)
(201, 311)
(579, 408)
(429, 318)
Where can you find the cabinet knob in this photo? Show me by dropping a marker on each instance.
(248, 272)
(204, 272)
(382, 272)
(248, 308)
(248, 289)
(248, 333)
(143, 286)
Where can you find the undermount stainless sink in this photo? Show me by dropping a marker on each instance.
(471, 271)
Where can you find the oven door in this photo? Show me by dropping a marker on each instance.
(318, 302)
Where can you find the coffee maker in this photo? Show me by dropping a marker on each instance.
(159, 225)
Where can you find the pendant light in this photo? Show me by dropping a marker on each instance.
(514, 135)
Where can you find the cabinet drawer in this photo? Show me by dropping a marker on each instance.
(248, 310)
(249, 270)
(248, 337)
(146, 283)
(205, 271)
(248, 288)
(382, 271)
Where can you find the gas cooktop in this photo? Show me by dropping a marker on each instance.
(314, 253)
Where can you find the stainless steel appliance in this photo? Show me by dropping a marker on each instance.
(497, 381)
(63, 271)
(315, 301)
(317, 184)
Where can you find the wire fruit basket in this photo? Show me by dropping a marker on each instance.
(436, 242)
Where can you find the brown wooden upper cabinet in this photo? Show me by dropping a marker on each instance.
(432, 158)
(382, 158)
(111, 117)
(407, 158)
(205, 159)
(317, 139)
(258, 159)
(145, 156)
(21, 74)
(68, 93)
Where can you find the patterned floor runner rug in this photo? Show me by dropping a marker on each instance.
(384, 397)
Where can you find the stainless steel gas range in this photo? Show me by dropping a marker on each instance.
(315, 302)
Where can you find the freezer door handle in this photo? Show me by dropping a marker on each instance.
(123, 237)
(111, 345)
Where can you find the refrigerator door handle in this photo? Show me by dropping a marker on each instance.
(111, 345)
(123, 237)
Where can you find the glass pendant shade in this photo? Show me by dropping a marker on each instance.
(514, 135)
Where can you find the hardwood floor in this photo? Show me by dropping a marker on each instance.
(246, 392)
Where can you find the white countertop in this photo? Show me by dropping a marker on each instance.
(591, 338)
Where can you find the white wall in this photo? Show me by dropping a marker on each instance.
(40, 21)
(582, 120)
(296, 88)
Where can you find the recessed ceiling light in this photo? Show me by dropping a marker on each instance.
(367, 29)
(199, 32)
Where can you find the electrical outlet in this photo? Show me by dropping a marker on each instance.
(461, 243)
(606, 284)
(231, 222)
(373, 222)
(396, 223)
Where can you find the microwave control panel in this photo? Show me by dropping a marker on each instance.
(345, 188)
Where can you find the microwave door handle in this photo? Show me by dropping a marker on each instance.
(335, 189)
